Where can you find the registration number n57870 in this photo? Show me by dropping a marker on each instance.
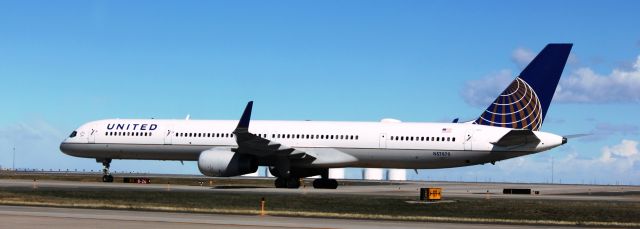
(441, 154)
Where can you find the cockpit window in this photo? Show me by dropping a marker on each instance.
(73, 134)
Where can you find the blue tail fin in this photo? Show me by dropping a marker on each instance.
(524, 104)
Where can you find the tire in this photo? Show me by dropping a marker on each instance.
(318, 183)
(293, 182)
(280, 182)
(107, 178)
(332, 184)
(325, 184)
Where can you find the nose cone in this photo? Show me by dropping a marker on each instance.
(64, 147)
(564, 140)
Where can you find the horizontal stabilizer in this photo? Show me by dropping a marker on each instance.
(517, 137)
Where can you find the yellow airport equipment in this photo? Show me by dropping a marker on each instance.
(430, 194)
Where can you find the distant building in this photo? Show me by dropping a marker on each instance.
(373, 174)
(397, 174)
(337, 173)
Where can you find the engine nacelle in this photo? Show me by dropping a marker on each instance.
(225, 163)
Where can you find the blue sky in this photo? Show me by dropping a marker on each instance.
(63, 63)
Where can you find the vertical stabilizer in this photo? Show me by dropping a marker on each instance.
(524, 103)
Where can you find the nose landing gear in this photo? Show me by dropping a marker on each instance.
(106, 177)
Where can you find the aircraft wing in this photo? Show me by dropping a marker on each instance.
(249, 143)
(517, 137)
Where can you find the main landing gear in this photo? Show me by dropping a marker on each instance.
(106, 177)
(324, 182)
(291, 182)
(294, 181)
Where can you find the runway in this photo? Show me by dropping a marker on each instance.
(21, 217)
(409, 189)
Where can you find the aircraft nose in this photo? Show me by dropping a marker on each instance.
(63, 146)
(564, 140)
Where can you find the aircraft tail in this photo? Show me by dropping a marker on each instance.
(524, 103)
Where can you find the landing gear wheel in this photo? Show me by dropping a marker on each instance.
(293, 182)
(325, 184)
(280, 182)
(107, 178)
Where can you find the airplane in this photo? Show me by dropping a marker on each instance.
(508, 128)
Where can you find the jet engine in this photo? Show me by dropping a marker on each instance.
(222, 162)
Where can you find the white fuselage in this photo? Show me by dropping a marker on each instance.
(370, 144)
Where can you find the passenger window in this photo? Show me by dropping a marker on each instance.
(454, 139)
(357, 137)
(448, 139)
(150, 133)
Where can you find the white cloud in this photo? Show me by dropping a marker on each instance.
(586, 86)
(625, 151)
(580, 86)
(522, 57)
(482, 92)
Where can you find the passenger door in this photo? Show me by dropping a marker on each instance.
(468, 139)
(383, 141)
(92, 136)
(168, 138)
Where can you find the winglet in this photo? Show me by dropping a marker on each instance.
(246, 116)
